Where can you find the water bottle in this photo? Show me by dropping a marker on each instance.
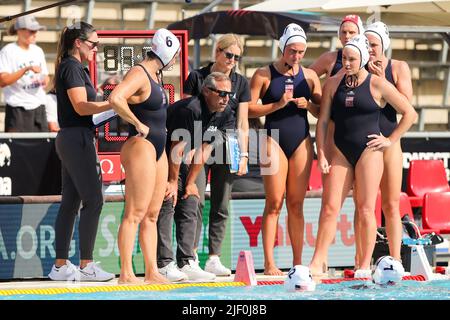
(289, 85)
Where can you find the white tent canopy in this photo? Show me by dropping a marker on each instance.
(391, 5)
(392, 12)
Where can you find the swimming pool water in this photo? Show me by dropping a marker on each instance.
(351, 290)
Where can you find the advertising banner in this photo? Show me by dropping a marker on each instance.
(27, 237)
(29, 167)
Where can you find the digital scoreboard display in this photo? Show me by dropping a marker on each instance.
(118, 51)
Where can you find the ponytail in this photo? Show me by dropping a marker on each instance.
(79, 30)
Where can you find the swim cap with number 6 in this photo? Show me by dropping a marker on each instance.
(165, 45)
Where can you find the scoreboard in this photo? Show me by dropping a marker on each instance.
(118, 51)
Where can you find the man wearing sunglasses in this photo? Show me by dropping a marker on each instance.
(196, 126)
(228, 53)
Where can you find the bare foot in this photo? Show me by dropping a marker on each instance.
(272, 271)
(156, 278)
(130, 280)
(317, 271)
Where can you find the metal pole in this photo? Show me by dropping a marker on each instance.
(122, 16)
(274, 50)
(213, 38)
(197, 53)
(213, 47)
(422, 119)
(90, 11)
(446, 88)
(443, 60)
(444, 52)
(235, 4)
(26, 5)
(151, 10)
(333, 43)
(210, 6)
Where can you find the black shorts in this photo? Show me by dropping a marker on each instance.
(17, 119)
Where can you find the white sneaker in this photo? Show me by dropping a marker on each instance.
(195, 273)
(172, 273)
(67, 272)
(93, 272)
(214, 265)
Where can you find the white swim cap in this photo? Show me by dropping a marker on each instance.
(355, 19)
(299, 279)
(293, 33)
(380, 30)
(165, 45)
(360, 44)
(387, 270)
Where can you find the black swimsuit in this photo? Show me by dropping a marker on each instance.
(356, 115)
(291, 121)
(153, 113)
(338, 64)
(388, 116)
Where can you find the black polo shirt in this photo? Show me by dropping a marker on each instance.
(239, 85)
(193, 115)
(72, 74)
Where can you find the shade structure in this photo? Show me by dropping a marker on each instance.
(394, 5)
(256, 23)
(272, 5)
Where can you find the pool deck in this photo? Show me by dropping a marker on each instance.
(46, 283)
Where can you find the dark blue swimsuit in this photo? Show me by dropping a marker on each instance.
(337, 64)
(336, 68)
(153, 113)
(291, 121)
(356, 115)
(388, 116)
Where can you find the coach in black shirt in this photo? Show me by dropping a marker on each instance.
(228, 53)
(196, 125)
(75, 146)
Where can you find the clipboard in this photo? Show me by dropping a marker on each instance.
(100, 119)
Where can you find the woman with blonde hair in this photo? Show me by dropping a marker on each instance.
(228, 53)
(397, 72)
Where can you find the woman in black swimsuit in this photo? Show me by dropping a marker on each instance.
(140, 100)
(355, 100)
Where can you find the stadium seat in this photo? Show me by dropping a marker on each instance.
(315, 179)
(436, 211)
(425, 176)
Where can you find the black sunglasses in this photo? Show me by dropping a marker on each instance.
(221, 93)
(230, 55)
(94, 43)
